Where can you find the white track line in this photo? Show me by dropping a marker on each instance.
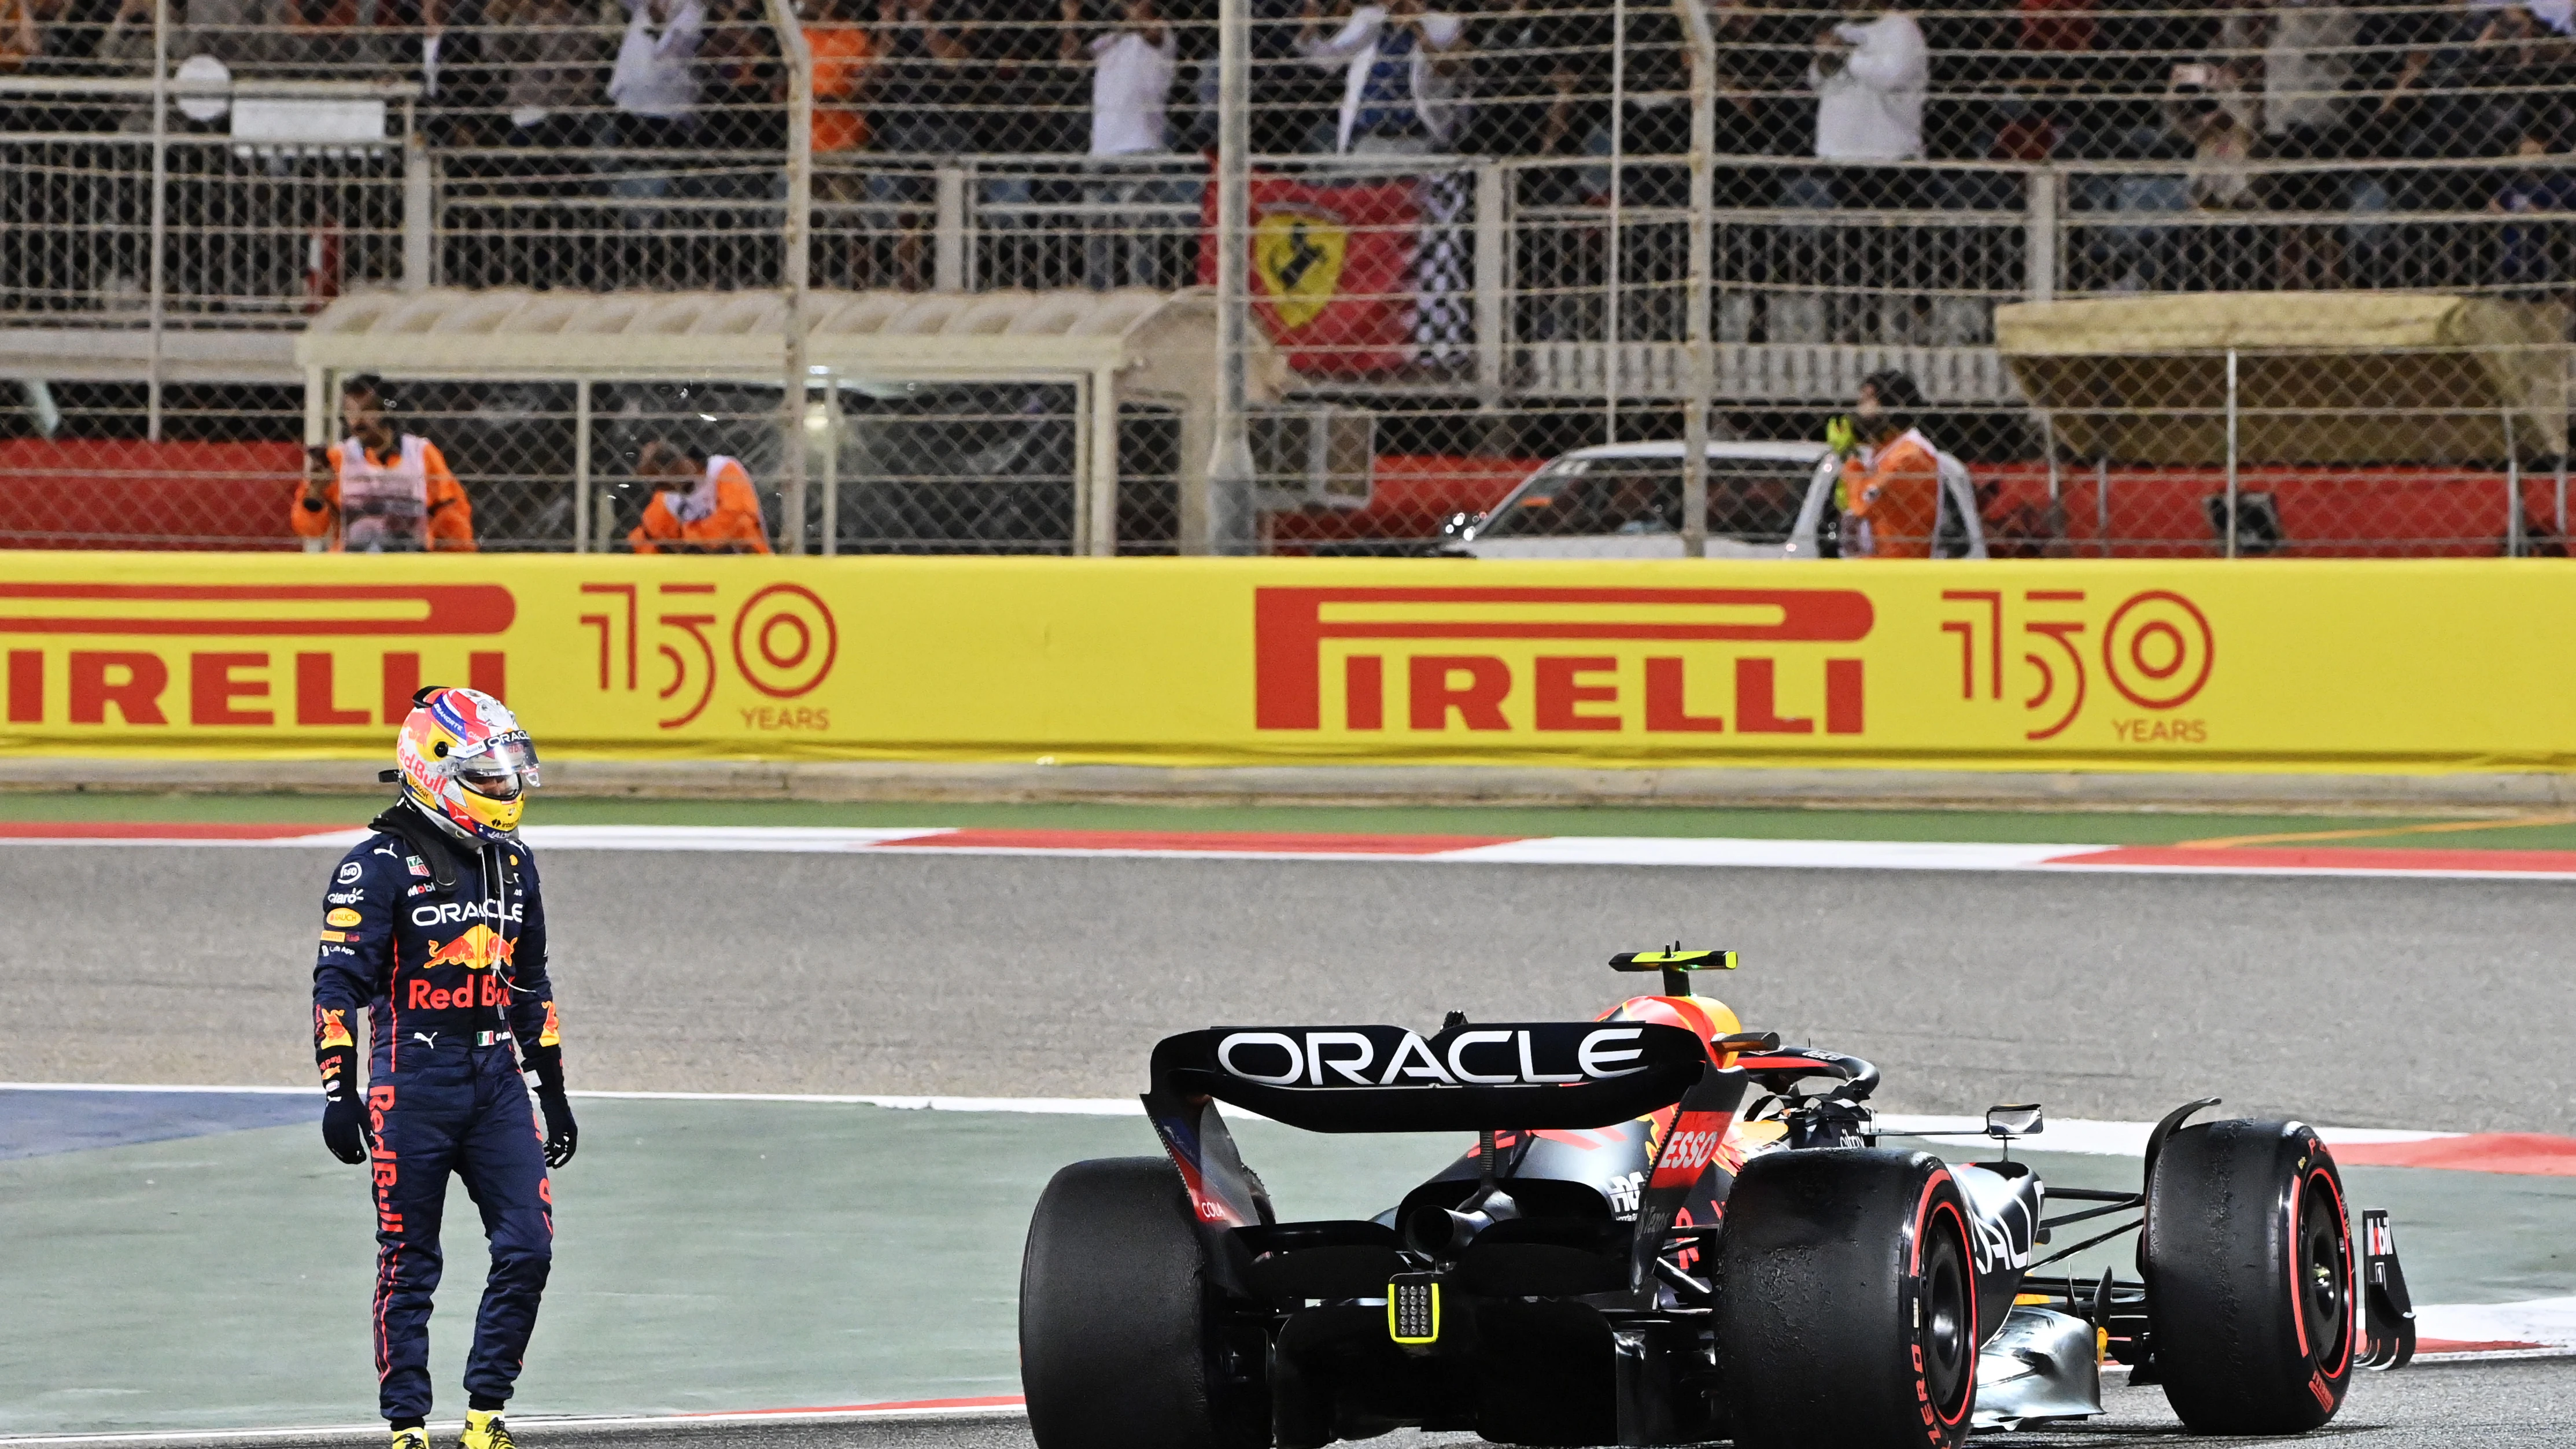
(1046, 1106)
(376, 1430)
(1781, 854)
(314, 1092)
(2062, 1134)
(1037, 1106)
(328, 839)
(1561, 850)
(777, 839)
(2547, 1321)
(787, 839)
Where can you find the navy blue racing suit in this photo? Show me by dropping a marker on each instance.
(444, 944)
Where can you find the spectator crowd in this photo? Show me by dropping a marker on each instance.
(2254, 106)
(2008, 79)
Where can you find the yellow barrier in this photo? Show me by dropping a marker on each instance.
(2434, 665)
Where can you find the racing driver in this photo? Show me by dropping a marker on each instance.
(435, 925)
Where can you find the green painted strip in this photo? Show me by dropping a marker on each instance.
(2106, 827)
(736, 1255)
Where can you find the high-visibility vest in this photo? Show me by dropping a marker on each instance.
(701, 502)
(384, 506)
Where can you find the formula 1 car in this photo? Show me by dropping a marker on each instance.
(1670, 1230)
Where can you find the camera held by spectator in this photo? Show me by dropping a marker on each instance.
(1399, 60)
(1871, 74)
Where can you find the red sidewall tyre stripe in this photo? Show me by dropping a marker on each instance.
(2352, 1281)
(1924, 1209)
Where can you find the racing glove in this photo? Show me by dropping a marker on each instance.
(344, 1117)
(563, 1136)
(1842, 437)
(344, 1128)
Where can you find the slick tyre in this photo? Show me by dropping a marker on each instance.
(1847, 1302)
(2248, 1262)
(1122, 1345)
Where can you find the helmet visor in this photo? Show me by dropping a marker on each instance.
(502, 770)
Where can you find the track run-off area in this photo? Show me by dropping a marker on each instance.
(763, 1218)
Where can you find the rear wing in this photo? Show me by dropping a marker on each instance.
(1468, 1078)
(1546, 1074)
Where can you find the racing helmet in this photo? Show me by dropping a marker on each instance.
(1704, 1016)
(465, 762)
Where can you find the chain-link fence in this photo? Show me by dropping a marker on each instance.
(1483, 237)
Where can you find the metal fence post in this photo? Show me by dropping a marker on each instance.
(2056, 482)
(317, 426)
(2231, 452)
(948, 265)
(1611, 371)
(582, 533)
(793, 271)
(2102, 502)
(1101, 532)
(1703, 199)
(2039, 248)
(1492, 263)
(160, 208)
(2513, 542)
(1218, 517)
(831, 542)
(419, 217)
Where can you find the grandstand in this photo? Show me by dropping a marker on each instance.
(1494, 233)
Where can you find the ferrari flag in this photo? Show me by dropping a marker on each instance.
(1332, 272)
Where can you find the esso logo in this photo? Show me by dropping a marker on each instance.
(1693, 1145)
(1691, 1151)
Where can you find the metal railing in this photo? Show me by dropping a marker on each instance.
(144, 212)
(264, 233)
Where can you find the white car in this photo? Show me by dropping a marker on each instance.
(1624, 500)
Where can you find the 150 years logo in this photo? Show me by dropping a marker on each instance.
(2155, 649)
(782, 642)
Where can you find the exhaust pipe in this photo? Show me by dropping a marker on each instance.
(1445, 1232)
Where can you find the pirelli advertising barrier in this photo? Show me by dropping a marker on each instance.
(2090, 665)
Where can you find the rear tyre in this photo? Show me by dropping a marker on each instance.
(1122, 1345)
(2249, 1270)
(1847, 1302)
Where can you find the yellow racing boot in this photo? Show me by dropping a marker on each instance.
(411, 1439)
(484, 1430)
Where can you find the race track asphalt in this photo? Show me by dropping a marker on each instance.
(2377, 1002)
(2509, 1405)
(2354, 1002)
